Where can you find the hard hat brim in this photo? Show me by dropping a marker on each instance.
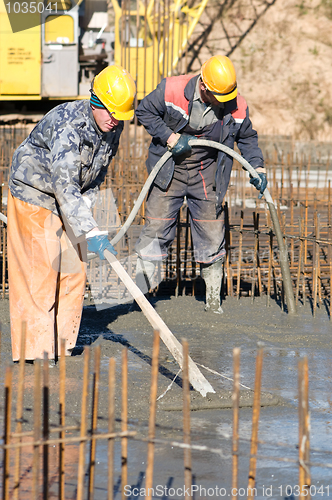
(224, 97)
(123, 115)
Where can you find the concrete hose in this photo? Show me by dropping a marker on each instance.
(284, 265)
(285, 271)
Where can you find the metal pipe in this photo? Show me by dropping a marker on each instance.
(152, 415)
(255, 424)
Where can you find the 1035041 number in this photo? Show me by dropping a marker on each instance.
(310, 491)
(31, 7)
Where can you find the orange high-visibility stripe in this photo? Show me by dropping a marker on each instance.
(203, 180)
(159, 218)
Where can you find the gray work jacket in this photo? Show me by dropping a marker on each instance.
(167, 109)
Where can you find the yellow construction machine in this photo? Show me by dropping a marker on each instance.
(150, 40)
(51, 49)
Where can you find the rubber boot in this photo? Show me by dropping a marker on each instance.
(212, 275)
(144, 275)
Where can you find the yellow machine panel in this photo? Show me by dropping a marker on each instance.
(59, 29)
(20, 58)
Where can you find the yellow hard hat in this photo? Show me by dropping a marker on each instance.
(219, 77)
(116, 89)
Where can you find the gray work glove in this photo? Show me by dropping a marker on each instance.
(181, 146)
(260, 184)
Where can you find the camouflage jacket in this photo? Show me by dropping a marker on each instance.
(64, 157)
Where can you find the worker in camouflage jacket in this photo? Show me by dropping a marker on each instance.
(55, 176)
(181, 108)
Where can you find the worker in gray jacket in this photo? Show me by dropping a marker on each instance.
(55, 176)
(181, 108)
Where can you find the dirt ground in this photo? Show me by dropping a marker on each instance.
(247, 324)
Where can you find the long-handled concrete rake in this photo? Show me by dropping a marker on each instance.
(197, 379)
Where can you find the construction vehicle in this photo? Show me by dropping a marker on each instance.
(51, 49)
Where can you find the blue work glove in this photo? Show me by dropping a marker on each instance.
(182, 147)
(99, 243)
(260, 184)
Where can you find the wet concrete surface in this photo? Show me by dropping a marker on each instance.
(245, 324)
